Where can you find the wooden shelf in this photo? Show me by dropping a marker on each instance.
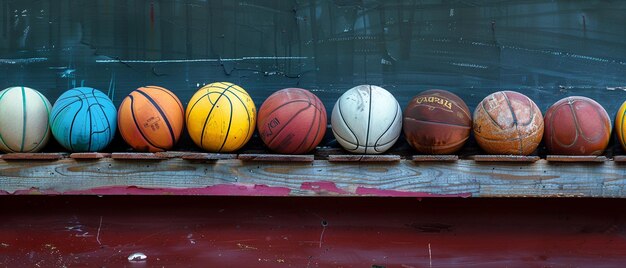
(251, 175)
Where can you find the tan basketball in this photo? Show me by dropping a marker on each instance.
(508, 122)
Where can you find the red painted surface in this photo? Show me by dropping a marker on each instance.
(56, 231)
(322, 187)
(216, 190)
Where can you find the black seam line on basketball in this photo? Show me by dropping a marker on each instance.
(211, 111)
(167, 122)
(72, 125)
(317, 116)
(345, 140)
(233, 86)
(369, 118)
(73, 96)
(519, 133)
(24, 118)
(490, 117)
(286, 124)
(61, 109)
(132, 113)
(346, 123)
(623, 128)
(320, 128)
(388, 128)
(310, 126)
(171, 95)
(578, 128)
(243, 141)
(47, 121)
(230, 121)
(93, 92)
(437, 123)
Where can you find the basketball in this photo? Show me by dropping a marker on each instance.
(24, 116)
(221, 117)
(292, 121)
(507, 122)
(620, 125)
(577, 126)
(437, 122)
(366, 119)
(150, 119)
(83, 119)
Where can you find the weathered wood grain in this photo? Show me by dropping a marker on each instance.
(92, 155)
(32, 156)
(276, 157)
(208, 156)
(434, 158)
(575, 158)
(320, 177)
(135, 156)
(363, 158)
(506, 158)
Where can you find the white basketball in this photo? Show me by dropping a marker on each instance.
(24, 116)
(367, 120)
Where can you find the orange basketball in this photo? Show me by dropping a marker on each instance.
(292, 121)
(151, 119)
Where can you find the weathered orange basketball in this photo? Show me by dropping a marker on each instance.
(151, 119)
(292, 121)
(437, 122)
(577, 126)
(508, 122)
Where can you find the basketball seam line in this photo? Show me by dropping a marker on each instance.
(310, 127)
(210, 112)
(519, 133)
(24, 119)
(388, 128)
(369, 119)
(287, 123)
(171, 95)
(437, 123)
(622, 124)
(72, 125)
(132, 112)
(47, 121)
(108, 128)
(167, 122)
(493, 121)
(230, 121)
(346, 123)
(244, 140)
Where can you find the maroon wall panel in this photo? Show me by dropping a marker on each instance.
(311, 232)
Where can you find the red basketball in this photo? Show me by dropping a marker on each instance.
(292, 121)
(437, 122)
(577, 126)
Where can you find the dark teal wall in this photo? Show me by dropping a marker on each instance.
(545, 49)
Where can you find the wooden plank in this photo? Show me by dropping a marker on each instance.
(135, 156)
(435, 158)
(506, 158)
(276, 157)
(172, 154)
(92, 155)
(363, 158)
(619, 158)
(208, 156)
(236, 177)
(32, 156)
(575, 158)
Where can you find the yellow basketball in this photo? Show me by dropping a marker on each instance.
(620, 125)
(221, 117)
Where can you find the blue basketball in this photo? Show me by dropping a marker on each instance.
(83, 119)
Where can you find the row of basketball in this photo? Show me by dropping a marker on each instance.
(221, 117)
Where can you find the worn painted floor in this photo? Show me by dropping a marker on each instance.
(49, 231)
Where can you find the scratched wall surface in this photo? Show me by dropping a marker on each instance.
(545, 49)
